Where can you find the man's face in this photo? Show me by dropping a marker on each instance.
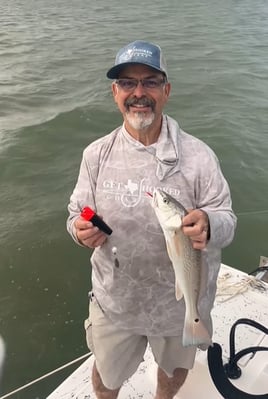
(141, 105)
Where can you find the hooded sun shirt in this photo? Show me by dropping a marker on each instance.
(132, 277)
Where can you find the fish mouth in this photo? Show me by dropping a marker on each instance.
(153, 198)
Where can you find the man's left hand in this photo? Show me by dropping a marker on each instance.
(195, 225)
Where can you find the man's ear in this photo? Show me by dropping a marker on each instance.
(114, 90)
(167, 89)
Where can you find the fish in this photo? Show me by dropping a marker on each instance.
(186, 262)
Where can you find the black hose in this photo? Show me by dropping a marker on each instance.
(231, 368)
(220, 379)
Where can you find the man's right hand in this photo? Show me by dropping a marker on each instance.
(88, 234)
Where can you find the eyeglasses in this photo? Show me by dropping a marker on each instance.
(128, 84)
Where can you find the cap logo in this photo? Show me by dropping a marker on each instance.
(135, 52)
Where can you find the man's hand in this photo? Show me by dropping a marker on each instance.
(88, 234)
(195, 225)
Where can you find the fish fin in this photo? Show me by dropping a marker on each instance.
(178, 293)
(175, 244)
(195, 333)
(169, 250)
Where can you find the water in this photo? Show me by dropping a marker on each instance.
(55, 99)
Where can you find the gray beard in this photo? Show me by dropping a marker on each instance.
(139, 121)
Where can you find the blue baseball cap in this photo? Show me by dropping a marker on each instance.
(138, 52)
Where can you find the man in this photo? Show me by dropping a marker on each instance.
(133, 300)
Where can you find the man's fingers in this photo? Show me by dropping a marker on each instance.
(196, 226)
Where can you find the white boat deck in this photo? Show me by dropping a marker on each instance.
(248, 302)
(2, 355)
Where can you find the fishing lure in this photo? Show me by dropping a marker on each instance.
(88, 214)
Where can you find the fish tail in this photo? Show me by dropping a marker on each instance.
(195, 333)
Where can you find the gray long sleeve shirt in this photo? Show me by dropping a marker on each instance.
(137, 291)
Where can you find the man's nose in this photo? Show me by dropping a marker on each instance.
(139, 90)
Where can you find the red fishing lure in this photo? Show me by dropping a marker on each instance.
(88, 214)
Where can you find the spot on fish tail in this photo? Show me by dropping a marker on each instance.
(195, 333)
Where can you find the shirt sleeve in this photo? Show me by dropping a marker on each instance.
(215, 200)
(83, 193)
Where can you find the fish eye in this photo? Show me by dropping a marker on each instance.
(165, 200)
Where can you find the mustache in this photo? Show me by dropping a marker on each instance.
(144, 101)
